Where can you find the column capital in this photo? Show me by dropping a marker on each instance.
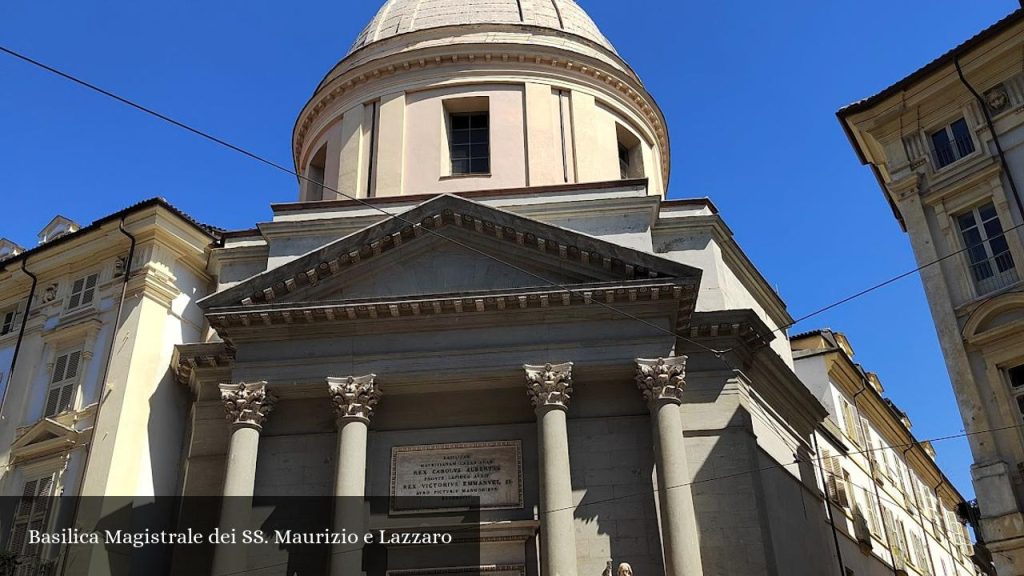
(354, 397)
(661, 379)
(549, 385)
(247, 404)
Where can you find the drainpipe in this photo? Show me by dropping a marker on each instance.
(920, 510)
(995, 137)
(21, 336)
(828, 506)
(106, 371)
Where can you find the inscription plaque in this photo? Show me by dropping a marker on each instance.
(457, 477)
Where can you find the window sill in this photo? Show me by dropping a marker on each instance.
(82, 312)
(465, 176)
(9, 337)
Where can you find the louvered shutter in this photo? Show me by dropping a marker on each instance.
(831, 491)
(32, 514)
(83, 291)
(76, 293)
(872, 513)
(62, 383)
(19, 532)
(968, 548)
(90, 289)
(835, 479)
(843, 483)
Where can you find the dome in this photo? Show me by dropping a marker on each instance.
(398, 17)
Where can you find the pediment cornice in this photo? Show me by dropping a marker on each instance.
(45, 438)
(609, 295)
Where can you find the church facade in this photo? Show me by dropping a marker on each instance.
(482, 296)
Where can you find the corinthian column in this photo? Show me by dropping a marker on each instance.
(354, 399)
(661, 381)
(246, 407)
(549, 387)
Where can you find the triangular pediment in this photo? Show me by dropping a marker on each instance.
(448, 245)
(43, 437)
(435, 265)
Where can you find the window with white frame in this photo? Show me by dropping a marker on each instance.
(8, 320)
(83, 292)
(988, 253)
(951, 143)
(33, 513)
(63, 382)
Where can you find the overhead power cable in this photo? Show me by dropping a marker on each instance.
(280, 167)
(277, 166)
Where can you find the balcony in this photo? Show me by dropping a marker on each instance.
(993, 274)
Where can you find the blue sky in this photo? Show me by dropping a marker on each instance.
(750, 90)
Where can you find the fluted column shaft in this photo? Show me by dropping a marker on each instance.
(661, 382)
(354, 399)
(550, 387)
(246, 407)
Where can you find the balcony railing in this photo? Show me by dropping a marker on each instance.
(994, 273)
(949, 152)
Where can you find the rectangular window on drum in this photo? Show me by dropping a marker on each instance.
(470, 143)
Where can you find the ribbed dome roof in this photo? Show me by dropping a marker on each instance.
(402, 16)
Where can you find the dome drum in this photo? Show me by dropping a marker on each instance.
(579, 113)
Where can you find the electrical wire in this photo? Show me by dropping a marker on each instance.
(207, 136)
(717, 353)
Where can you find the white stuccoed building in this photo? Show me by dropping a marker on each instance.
(481, 267)
(893, 509)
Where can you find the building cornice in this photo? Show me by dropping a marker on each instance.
(187, 358)
(238, 321)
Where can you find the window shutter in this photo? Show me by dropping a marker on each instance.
(72, 369)
(90, 289)
(52, 402)
(59, 367)
(871, 513)
(76, 293)
(32, 514)
(841, 483)
(62, 383)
